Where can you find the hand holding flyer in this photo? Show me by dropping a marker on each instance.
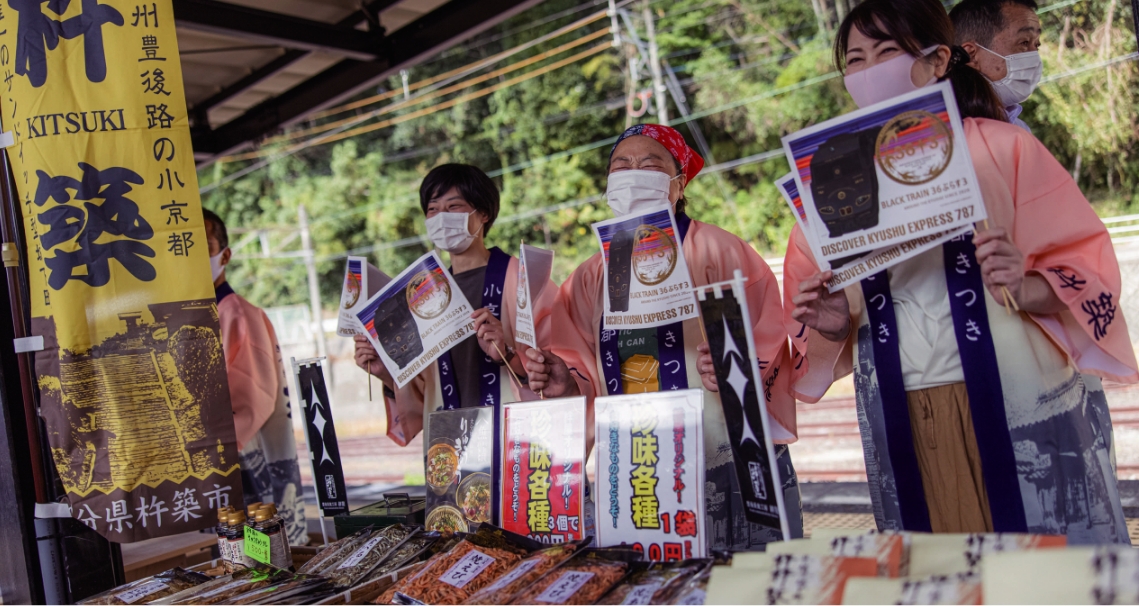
(646, 276)
(417, 317)
(894, 173)
(534, 267)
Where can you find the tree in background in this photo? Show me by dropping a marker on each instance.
(751, 71)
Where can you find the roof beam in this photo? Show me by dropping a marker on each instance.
(272, 68)
(438, 30)
(274, 28)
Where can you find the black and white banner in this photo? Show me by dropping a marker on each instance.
(724, 312)
(320, 432)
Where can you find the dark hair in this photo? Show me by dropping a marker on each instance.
(980, 20)
(473, 184)
(682, 202)
(216, 228)
(916, 25)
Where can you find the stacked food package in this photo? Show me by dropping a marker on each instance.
(409, 565)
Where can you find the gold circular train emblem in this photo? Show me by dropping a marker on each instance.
(353, 286)
(654, 255)
(428, 294)
(914, 147)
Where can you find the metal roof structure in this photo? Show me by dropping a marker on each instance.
(251, 67)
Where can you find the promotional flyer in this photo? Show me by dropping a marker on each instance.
(650, 473)
(646, 277)
(543, 469)
(853, 269)
(885, 175)
(459, 469)
(417, 317)
(534, 267)
(361, 281)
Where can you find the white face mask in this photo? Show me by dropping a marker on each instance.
(1024, 73)
(885, 80)
(630, 191)
(216, 266)
(449, 231)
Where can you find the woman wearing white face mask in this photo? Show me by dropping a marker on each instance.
(650, 165)
(973, 419)
(461, 204)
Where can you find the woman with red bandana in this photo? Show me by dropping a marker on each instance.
(649, 163)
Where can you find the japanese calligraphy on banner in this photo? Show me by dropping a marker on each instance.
(417, 317)
(646, 277)
(543, 463)
(650, 473)
(885, 175)
(852, 269)
(535, 265)
(132, 381)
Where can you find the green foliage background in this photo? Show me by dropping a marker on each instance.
(759, 69)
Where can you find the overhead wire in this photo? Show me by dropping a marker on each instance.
(441, 106)
(450, 89)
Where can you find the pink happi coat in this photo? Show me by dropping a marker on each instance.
(1050, 407)
(713, 255)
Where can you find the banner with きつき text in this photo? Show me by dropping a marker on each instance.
(132, 379)
(646, 276)
(417, 317)
(543, 466)
(650, 473)
(534, 267)
(885, 175)
(851, 270)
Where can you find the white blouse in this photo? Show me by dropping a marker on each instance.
(927, 343)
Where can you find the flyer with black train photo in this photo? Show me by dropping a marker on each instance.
(361, 281)
(646, 277)
(851, 270)
(892, 173)
(534, 267)
(417, 317)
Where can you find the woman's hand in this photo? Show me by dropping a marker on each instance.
(821, 310)
(369, 360)
(549, 375)
(706, 368)
(1002, 265)
(492, 339)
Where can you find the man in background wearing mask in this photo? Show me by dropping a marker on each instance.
(650, 165)
(259, 395)
(461, 204)
(1002, 38)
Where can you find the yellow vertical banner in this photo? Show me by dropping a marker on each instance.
(132, 379)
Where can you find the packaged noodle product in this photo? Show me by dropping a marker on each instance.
(890, 549)
(145, 591)
(523, 574)
(285, 587)
(786, 579)
(582, 580)
(654, 584)
(957, 589)
(239, 583)
(334, 552)
(694, 590)
(413, 549)
(451, 577)
(367, 556)
(946, 554)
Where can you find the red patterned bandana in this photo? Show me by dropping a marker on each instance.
(672, 140)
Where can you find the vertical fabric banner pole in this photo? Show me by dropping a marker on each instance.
(320, 436)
